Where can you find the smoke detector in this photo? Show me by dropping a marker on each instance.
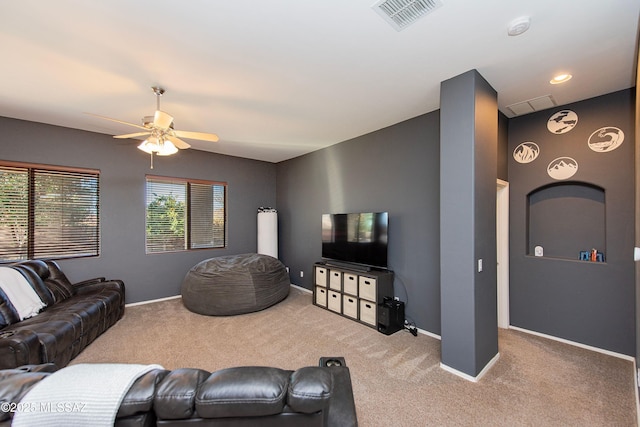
(519, 26)
(401, 13)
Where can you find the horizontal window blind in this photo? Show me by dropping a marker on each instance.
(207, 216)
(65, 214)
(14, 213)
(184, 214)
(166, 216)
(48, 213)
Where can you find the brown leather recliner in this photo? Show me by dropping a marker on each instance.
(241, 396)
(74, 315)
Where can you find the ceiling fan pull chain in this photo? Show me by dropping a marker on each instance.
(152, 160)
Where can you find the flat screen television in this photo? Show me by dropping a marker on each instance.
(356, 238)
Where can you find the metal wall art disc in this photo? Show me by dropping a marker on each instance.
(562, 121)
(606, 139)
(526, 152)
(562, 168)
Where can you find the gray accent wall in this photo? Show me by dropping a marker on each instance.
(123, 167)
(468, 164)
(395, 169)
(592, 303)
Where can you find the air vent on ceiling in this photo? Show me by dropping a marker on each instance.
(531, 105)
(401, 13)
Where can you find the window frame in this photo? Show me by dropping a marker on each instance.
(32, 241)
(188, 238)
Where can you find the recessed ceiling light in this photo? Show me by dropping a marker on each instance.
(519, 26)
(560, 78)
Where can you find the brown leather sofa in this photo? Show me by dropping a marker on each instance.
(74, 315)
(242, 396)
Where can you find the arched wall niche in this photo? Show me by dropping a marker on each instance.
(566, 218)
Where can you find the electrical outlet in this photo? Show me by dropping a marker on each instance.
(480, 265)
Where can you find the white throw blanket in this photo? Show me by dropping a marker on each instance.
(83, 395)
(22, 296)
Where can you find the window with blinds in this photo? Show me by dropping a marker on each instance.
(184, 214)
(48, 212)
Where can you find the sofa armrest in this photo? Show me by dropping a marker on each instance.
(18, 347)
(90, 281)
(342, 410)
(95, 285)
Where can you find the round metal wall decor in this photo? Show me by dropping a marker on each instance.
(526, 152)
(562, 122)
(562, 168)
(606, 139)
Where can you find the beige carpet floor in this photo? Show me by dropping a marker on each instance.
(397, 380)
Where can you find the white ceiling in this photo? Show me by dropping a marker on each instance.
(279, 78)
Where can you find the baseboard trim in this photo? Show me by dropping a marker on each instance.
(302, 289)
(468, 377)
(576, 344)
(429, 334)
(636, 374)
(133, 304)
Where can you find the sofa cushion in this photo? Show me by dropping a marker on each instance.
(309, 389)
(37, 284)
(176, 395)
(19, 288)
(8, 314)
(243, 392)
(139, 397)
(58, 282)
(14, 385)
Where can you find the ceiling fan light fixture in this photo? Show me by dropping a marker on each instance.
(167, 149)
(161, 146)
(163, 139)
(149, 145)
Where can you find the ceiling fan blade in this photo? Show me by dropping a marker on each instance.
(117, 121)
(132, 135)
(178, 142)
(162, 120)
(197, 135)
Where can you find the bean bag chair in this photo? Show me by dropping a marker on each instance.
(235, 284)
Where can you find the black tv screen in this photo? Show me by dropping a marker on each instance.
(359, 238)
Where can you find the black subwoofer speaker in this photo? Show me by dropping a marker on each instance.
(390, 316)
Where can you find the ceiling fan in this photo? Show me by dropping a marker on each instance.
(162, 139)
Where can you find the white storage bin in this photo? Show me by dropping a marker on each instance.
(367, 288)
(321, 296)
(335, 280)
(321, 276)
(350, 284)
(334, 301)
(368, 312)
(350, 306)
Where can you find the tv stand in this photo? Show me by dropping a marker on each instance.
(347, 265)
(353, 291)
